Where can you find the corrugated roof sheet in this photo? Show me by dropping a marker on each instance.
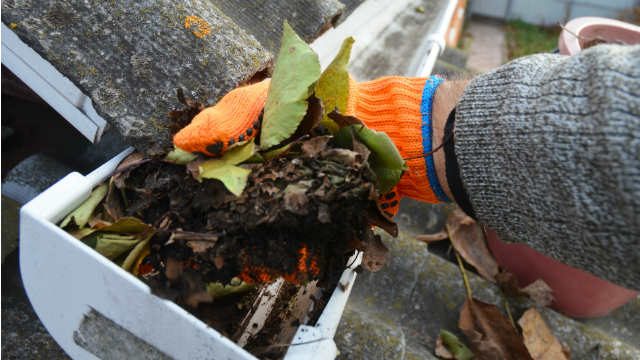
(131, 56)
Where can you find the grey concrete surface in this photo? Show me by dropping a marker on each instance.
(398, 312)
(488, 47)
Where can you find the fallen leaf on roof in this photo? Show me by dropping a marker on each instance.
(490, 332)
(224, 169)
(429, 238)
(538, 338)
(540, 292)
(468, 239)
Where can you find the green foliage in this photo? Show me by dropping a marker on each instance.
(236, 286)
(456, 347)
(81, 215)
(385, 159)
(293, 81)
(333, 85)
(526, 39)
(225, 169)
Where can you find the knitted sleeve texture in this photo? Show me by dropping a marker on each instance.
(549, 154)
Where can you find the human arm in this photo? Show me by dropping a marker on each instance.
(548, 149)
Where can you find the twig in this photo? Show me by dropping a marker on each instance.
(294, 143)
(506, 306)
(464, 274)
(449, 137)
(132, 165)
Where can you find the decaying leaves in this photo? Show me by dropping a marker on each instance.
(468, 239)
(376, 254)
(538, 290)
(538, 339)
(490, 332)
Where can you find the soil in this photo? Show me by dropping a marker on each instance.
(300, 217)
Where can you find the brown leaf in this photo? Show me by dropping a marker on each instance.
(199, 246)
(314, 146)
(469, 241)
(376, 216)
(429, 238)
(295, 198)
(193, 168)
(361, 149)
(312, 118)
(112, 202)
(343, 156)
(194, 299)
(441, 351)
(540, 292)
(538, 338)
(490, 332)
(173, 270)
(343, 120)
(508, 283)
(124, 168)
(375, 255)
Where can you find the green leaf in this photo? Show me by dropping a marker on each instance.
(458, 349)
(128, 225)
(81, 215)
(112, 245)
(385, 159)
(135, 253)
(224, 169)
(293, 81)
(236, 286)
(179, 156)
(333, 85)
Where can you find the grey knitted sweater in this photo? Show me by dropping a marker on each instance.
(548, 148)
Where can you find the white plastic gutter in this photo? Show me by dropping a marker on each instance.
(436, 41)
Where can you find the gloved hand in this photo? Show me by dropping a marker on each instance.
(398, 106)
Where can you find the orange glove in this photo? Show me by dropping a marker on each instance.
(398, 106)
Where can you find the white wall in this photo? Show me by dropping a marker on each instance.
(549, 12)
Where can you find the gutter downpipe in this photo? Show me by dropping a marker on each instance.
(437, 41)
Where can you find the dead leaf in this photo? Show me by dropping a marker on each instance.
(429, 238)
(113, 203)
(538, 339)
(377, 217)
(468, 239)
(540, 292)
(314, 146)
(173, 269)
(344, 120)
(490, 332)
(124, 168)
(376, 255)
(343, 156)
(295, 199)
(199, 246)
(508, 283)
(194, 299)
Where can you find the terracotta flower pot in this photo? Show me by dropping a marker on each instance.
(580, 33)
(576, 293)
